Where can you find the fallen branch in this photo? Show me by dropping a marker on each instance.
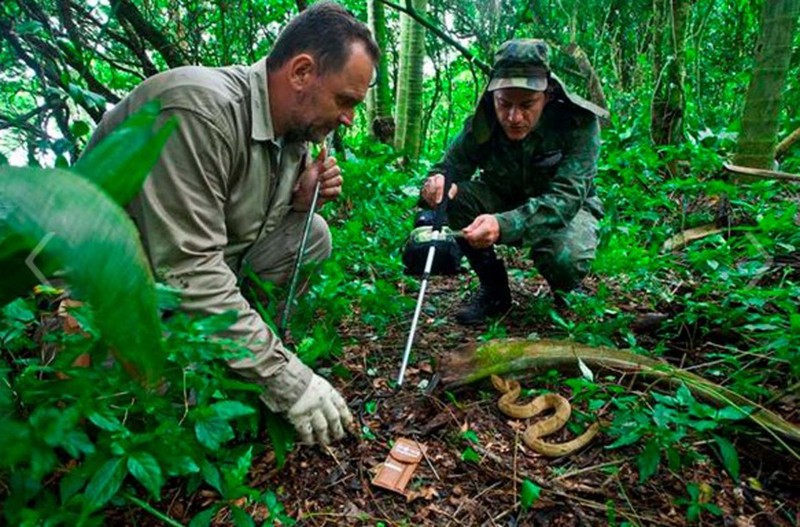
(787, 142)
(759, 172)
(511, 356)
(684, 238)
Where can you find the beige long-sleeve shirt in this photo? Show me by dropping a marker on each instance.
(221, 182)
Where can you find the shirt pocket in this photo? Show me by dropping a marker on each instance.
(540, 169)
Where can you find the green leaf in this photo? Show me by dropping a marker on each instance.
(241, 518)
(71, 484)
(145, 468)
(211, 474)
(470, 455)
(203, 519)
(231, 409)
(181, 465)
(529, 494)
(732, 413)
(78, 230)
(630, 437)
(120, 163)
(673, 459)
(76, 442)
(684, 395)
(43, 461)
(730, 459)
(213, 432)
(109, 423)
(648, 460)
(471, 436)
(237, 475)
(106, 482)
(281, 436)
(585, 370)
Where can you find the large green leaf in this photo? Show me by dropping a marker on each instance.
(106, 482)
(213, 432)
(231, 409)
(121, 162)
(146, 469)
(77, 229)
(119, 165)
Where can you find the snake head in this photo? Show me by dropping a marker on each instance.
(504, 386)
(499, 384)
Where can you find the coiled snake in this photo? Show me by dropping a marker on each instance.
(533, 434)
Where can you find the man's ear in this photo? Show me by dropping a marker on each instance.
(302, 70)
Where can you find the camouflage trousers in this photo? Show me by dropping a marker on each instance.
(563, 258)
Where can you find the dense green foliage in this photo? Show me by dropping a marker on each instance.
(76, 439)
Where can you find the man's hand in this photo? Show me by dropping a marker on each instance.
(320, 415)
(433, 190)
(483, 232)
(324, 169)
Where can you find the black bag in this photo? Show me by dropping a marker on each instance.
(446, 259)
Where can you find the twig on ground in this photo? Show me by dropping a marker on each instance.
(330, 453)
(592, 468)
(428, 460)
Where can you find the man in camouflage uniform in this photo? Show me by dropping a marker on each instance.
(535, 145)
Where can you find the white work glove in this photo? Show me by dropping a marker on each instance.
(320, 414)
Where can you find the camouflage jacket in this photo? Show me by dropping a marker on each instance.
(546, 178)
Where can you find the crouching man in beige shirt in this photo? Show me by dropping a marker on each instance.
(235, 181)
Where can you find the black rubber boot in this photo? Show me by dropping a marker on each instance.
(493, 297)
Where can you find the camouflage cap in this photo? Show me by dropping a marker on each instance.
(521, 63)
(527, 63)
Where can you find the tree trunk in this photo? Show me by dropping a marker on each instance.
(379, 101)
(773, 53)
(408, 137)
(669, 45)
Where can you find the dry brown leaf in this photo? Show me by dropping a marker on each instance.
(426, 493)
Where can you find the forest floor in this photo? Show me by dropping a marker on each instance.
(596, 486)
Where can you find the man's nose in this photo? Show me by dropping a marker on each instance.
(514, 115)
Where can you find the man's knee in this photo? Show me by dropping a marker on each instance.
(570, 267)
(566, 258)
(564, 267)
(273, 257)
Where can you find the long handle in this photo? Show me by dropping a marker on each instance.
(420, 297)
(438, 222)
(298, 261)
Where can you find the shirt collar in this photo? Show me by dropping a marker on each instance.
(262, 129)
